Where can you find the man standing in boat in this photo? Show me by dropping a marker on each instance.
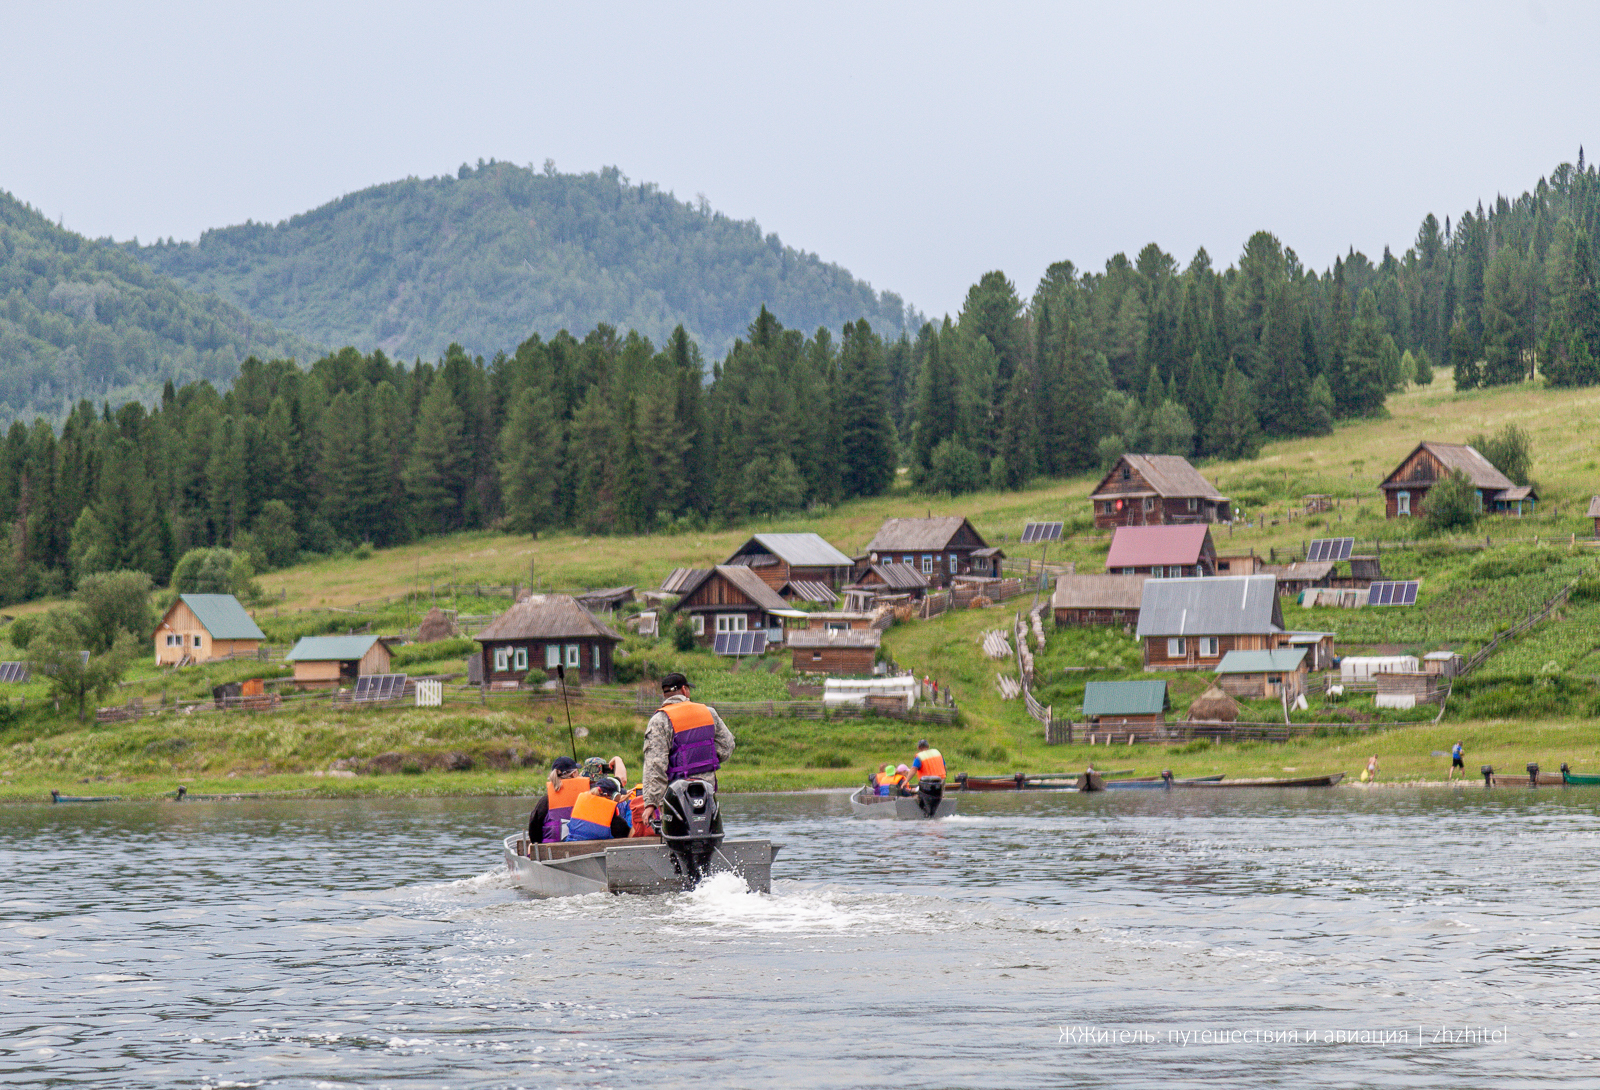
(682, 741)
(928, 764)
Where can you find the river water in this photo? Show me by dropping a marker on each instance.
(1244, 939)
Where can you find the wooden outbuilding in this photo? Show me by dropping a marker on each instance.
(1190, 624)
(548, 633)
(202, 627)
(1318, 647)
(1594, 513)
(939, 548)
(606, 599)
(840, 620)
(848, 652)
(1240, 563)
(1442, 663)
(879, 579)
(1132, 707)
(1301, 575)
(1155, 490)
(322, 662)
(733, 598)
(1261, 675)
(1164, 552)
(797, 566)
(1097, 599)
(1405, 490)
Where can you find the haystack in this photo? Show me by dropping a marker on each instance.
(436, 626)
(1214, 706)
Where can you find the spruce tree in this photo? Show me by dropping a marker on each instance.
(1019, 430)
(1364, 358)
(1234, 432)
(531, 462)
(866, 436)
(433, 472)
(1507, 319)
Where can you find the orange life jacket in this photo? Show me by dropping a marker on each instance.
(641, 827)
(591, 818)
(929, 763)
(562, 794)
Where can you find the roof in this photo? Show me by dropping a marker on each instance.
(899, 576)
(1142, 546)
(1217, 605)
(809, 591)
(546, 617)
(1301, 569)
(1594, 508)
(814, 638)
(1519, 492)
(798, 550)
(1441, 656)
(840, 615)
(989, 551)
(222, 616)
(682, 577)
(1308, 637)
(919, 535)
(1282, 659)
(746, 580)
(1167, 474)
(1125, 698)
(606, 594)
(330, 648)
(1098, 592)
(1454, 456)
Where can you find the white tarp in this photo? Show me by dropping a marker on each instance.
(856, 691)
(1362, 668)
(1398, 701)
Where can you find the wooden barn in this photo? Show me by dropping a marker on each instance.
(322, 662)
(1189, 624)
(1260, 675)
(800, 567)
(1405, 490)
(1301, 575)
(1164, 552)
(878, 580)
(849, 652)
(938, 548)
(1156, 490)
(1097, 599)
(1134, 707)
(546, 631)
(733, 598)
(202, 627)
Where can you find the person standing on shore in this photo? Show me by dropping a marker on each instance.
(1458, 761)
(1371, 775)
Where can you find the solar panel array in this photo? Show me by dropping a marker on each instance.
(16, 672)
(1331, 548)
(376, 687)
(740, 643)
(1393, 593)
(1041, 531)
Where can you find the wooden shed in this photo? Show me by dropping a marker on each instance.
(548, 633)
(937, 547)
(1263, 674)
(1155, 490)
(322, 662)
(1134, 707)
(876, 579)
(1301, 575)
(1190, 624)
(202, 627)
(1097, 599)
(848, 652)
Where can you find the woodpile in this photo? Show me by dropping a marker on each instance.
(980, 602)
(995, 644)
(1010, 687)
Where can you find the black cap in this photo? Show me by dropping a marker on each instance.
(606, 786)
(673, 681)
(563, 764)
(922, 744)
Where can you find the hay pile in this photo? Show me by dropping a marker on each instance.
(436, 626)
(1214, 706)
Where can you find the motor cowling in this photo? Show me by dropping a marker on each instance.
(691, 826)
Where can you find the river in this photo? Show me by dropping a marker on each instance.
(1132, 939)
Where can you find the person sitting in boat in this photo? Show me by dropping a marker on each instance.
(902, 778)
(595, 767)
(636, 814)
(881, 782)
(597, 815)
(561, 790)
(682, 741)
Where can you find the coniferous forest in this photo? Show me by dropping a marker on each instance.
(613, 433)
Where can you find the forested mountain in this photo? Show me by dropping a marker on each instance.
(83, 319)
(496, 253)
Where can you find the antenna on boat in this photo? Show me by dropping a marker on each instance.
(561, 672)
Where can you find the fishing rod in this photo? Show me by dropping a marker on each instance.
(561, 672)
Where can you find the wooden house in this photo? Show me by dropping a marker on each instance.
(733, 598)
(1594, 513)
(820, 651)
(1189, 624)
(1155, 490)
(936, 547)
(322, 662)
(1132, 707)
(202, 627)
(1240, 563)
(546, 631)
(1261, 675)
(1405, 490)
(1164, 552)
(1097, 599)
(800, 567)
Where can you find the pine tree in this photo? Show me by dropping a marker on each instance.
(1281, 375)
(1464, 356)
(934, 419)
(1019, 436)
(1364, 364)
(593, 466)
(866, 438)
(1507, 319)
(530, 462)
(1234, 433)
(434, 471)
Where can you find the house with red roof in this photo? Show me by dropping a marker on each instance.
(1162, 552)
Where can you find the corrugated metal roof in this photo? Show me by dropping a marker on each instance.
(899, 576)
(1453, 456)
(1168, 475)
(809, 591)
(1125, 698)
(799, 550)
(546, 617)
(918, 535)
(222, 616)
(763, 596)
(330, 648)
(1279, 660)
(1219, 605)
(1143, 546)
(813, 638)
(1098, 592)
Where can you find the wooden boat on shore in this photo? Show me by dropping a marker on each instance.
(1156, 783)
(1018, 782)
(56, 796)
(1302, 781)
(1579, 779)
(641, 864)
(901, 807)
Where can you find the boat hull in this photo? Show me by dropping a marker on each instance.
(1581, 779)
(902, 808)
(641, 865)
(1303, 781)
(1156, 783)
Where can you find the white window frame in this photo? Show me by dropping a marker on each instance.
(952, 563)
(1128, 571)
(1210, 647)
(1175, 648)
(838, 626)
(197, 641)
(1149, 504)
(1193, 503)
(522, 658)
(732, 622)
(927, 564)
(552, 655)
(595, 657)
(502, 659)
(697, 624)
(1402, 502)
(573, 661)
(1175, 571)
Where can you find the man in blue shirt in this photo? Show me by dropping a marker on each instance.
(1457, 761)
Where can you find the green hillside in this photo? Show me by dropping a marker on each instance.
(488, 257)
(83, 319)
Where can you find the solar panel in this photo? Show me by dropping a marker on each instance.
(1331, 548)
(380, 687)
(14, 672)
(1393, 593)
(1041, 531)
(739, 643)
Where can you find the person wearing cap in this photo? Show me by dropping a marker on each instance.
(547, 823)
(928, 763)
(682, 741)
(597, 815)
(881, 780)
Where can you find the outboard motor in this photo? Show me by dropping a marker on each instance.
(691, 826)
(930, 792)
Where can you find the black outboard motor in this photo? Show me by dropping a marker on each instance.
(691, 827)
(930, 792)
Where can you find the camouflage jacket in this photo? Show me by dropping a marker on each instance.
(658, 743)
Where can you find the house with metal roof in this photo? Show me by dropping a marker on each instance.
(939, 548)
(1258, 675)
(1164, 552)
(847, 651)
(1156, 490)
(1097, 599)
(733, 598)
(1137, 707)
(202, 627)
(1405, 490)
(548, 634)
(1190, 624)
(800, 567)
(322, 662)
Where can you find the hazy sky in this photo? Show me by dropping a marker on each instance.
(918, 145)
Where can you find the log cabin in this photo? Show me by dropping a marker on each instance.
(1097, 599)
(847, 652)
(548, 633)
(797, 566)
(937, 547)
(1163, 552)
(1189, 624)
(202, 627)
(1156, 490)
(1127, 707)
(1405, 490)
(1263, 675)
(733, 598)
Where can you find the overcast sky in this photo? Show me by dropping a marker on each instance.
(918, 145)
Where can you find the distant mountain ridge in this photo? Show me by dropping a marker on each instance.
(492, 255)
(83, 319)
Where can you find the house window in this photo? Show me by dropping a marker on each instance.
(501, 660)
(522, 658)
(952, 563)
(596, 657)
(927, 564)
(838, 626)
(197, 641)
(1193, 503)
(731, 622)
(1402, 503)
(572, 656)
(1175, 648)
(1128, 571)
(1149, 504)
(908, 559)
(816, 656)
(1209, 647)
(173, 641)
(1126, 474)
(552, 656)
(1274, 679)
(698, 624)
(1175, 571)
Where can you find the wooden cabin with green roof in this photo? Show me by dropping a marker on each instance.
(1127, 707)
(202, 627)
(322, 662)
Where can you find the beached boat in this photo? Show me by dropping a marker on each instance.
(903, 807)
(635, 865)
(1580, 779)
(1156, 783)
(1017, 782)
(56, 796)
(1303, 781)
